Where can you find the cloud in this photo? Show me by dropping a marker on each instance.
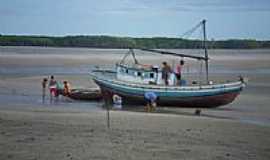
(190, 6)
(229, 5)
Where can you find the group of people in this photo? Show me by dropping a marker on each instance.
(55, 88)
(167, 71)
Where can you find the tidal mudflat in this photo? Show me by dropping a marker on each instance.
(30, 129)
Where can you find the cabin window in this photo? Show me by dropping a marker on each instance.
(131, 72)
(151, 75)
(139, 73)
(126, 70)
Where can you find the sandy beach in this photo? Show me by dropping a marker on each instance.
(67, 134)
(30, 129)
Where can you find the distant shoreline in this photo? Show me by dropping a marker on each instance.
(97, 48)
(113, 42)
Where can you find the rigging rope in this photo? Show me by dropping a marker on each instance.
(188, 33)
(130, 52)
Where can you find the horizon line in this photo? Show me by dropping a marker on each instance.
(122, 36)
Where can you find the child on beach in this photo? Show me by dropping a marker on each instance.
(66, 91)
(66, 88)
(44, 85)
(117, 101)
(52, 88)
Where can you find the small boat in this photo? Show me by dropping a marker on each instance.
(90, 94)
(132, 81)
(86, 94)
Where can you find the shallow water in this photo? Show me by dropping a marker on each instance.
(22, 68)
(45, 70)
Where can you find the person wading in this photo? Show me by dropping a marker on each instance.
(52, 88)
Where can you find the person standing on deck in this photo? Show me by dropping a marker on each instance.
(166, 71)
(178, 71)
(52, 88)
(44, 85)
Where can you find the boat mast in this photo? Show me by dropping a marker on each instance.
(205, 49)
(205, 58)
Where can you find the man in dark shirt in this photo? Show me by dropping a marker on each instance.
(166, 70)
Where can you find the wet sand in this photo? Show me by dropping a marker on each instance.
(48, 133)
(77, 130)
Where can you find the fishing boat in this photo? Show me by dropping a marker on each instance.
(132, 81)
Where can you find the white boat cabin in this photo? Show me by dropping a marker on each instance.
(142, 74)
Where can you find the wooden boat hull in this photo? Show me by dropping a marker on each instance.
(204, 97)
(189, 102)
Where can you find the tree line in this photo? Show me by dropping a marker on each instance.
(128, 42)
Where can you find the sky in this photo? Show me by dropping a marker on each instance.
(226, 19)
